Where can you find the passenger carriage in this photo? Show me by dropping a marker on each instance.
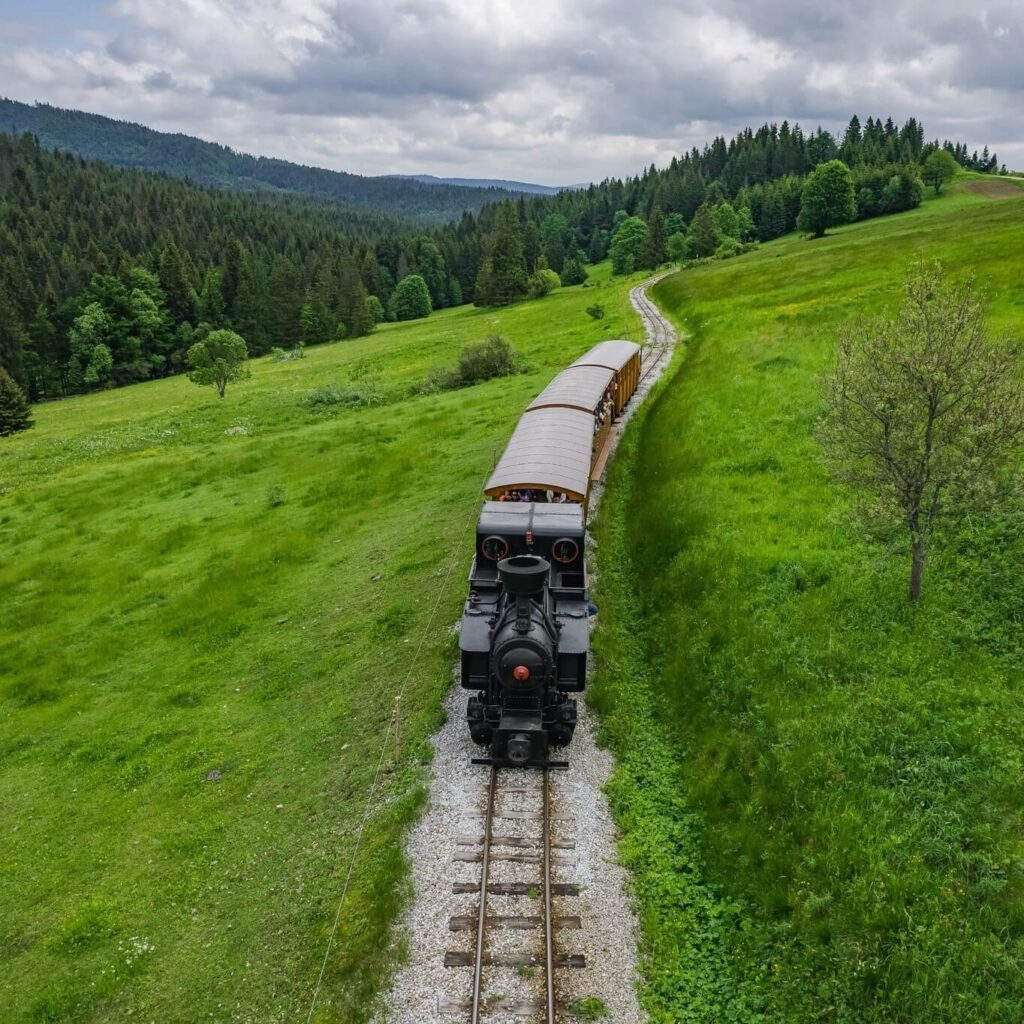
(562, 442)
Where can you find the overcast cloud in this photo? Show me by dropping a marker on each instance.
(559, 91)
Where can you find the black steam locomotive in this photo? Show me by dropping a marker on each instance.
(525, 630)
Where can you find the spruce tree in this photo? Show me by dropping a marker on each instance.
(703, 238)
(284, 302)
(506, 278)
(211, 300)
(181, 297)
(352, 308)
(14, 411)
(655, 247)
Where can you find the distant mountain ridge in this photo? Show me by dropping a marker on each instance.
(127, 144)
(510, 186)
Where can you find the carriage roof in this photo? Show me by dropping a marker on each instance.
(613, 355)
(578, 387)
(550, 449)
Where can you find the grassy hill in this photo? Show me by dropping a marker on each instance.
(125, 144)
(207, 610)
(821, 786)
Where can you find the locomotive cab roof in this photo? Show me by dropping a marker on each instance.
(515, 518)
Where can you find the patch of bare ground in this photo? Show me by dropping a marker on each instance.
(995, 188)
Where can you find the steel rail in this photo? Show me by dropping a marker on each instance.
(549, 941)
(481, 923)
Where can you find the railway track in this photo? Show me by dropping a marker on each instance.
(520, 850)
(660, 334)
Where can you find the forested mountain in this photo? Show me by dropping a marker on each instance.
(510, 186)
(108, 275)
(124, 144)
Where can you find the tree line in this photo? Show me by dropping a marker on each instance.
(109, 276)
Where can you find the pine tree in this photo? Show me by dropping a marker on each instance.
(505, 278)
(703, 238)
(655, 248)
(181, 297)
(352, 306)
(14, 411)
(13, 341)
(212, 308)
(249, 311)
(284, 302)
(531, 245)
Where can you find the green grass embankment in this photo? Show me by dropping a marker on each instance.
(208, 608)
(829, 824)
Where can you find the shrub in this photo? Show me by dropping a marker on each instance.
(729, 247)
(376, 308)
(596, 311)
(328, 398)
(542, 282)
(483, 360)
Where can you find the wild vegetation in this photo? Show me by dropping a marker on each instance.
(819, 782)
(199, 656)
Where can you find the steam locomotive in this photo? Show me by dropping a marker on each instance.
(525, 625)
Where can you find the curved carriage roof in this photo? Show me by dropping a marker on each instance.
(551, 449)
(611, 354)
(578, 387)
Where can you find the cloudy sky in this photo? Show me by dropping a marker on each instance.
(556, 91)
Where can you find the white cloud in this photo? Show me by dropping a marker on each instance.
(563, 91)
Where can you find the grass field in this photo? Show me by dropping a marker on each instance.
(821, 787)
(207, 609)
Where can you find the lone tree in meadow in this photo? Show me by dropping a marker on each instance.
(827, 198)
(924, 414)
(14, 412)
(939, 167)
(219, 359)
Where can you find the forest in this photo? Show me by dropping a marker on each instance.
(109, 275)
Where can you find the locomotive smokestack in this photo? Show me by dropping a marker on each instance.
(523, 576)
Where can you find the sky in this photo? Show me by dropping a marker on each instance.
(553, 91)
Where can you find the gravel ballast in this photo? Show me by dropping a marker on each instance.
(609, 932)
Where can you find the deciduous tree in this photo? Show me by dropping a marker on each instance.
(220, 358)
(827, 198)
(923, 413)
(939, 167)
(411, 299)
(627, 245)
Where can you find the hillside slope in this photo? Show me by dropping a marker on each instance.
(207, 609)
(125, 144)
(820, 786)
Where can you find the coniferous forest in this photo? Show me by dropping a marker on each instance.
(109, 275)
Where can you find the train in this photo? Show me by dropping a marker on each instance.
(525, 630)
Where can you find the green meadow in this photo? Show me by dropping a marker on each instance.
(207, 611)
(821, 786)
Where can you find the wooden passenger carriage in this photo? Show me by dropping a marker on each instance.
(562, 442)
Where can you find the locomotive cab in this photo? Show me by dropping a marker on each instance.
(525, 632)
